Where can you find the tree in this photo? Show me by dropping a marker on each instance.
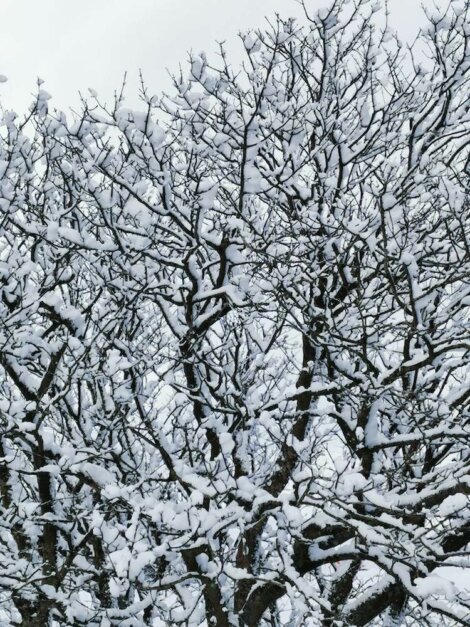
(235, 339)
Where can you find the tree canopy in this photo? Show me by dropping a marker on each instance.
(235, 339)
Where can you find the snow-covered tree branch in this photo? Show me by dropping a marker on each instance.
(235, 339)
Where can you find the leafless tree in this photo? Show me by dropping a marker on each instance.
(235, 337)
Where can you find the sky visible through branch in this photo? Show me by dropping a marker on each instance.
(92, 44)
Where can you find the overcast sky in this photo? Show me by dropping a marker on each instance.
(91, 43)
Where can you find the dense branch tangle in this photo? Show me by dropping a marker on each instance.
(235, 340)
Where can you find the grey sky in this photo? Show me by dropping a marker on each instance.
(91, 43)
